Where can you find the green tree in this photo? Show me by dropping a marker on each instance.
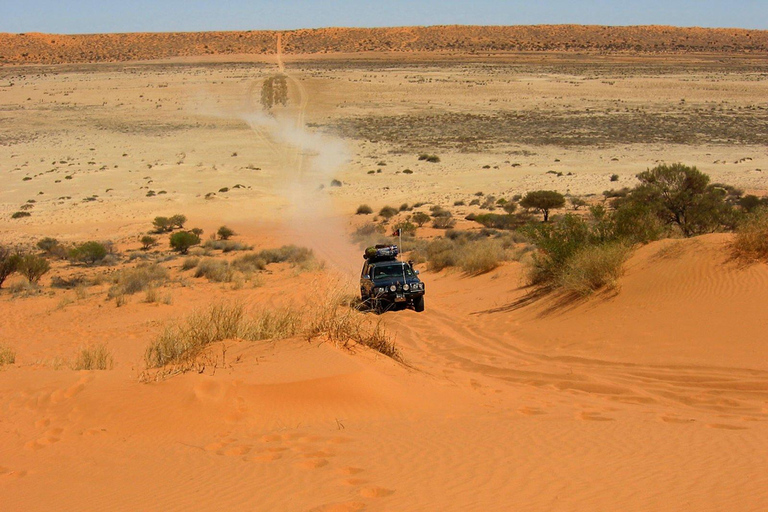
(225, 233)
(162, 224)
(681, 195)
(183, 240)
(147, 242)
(420, 218)
(178, 220)
(543, 201)
(9, 263)
(88, 253)
(33, 267)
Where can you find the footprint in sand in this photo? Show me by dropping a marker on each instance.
(349, 506)
(593, 416)
(375, 492)
(312, 464)
(725, 426)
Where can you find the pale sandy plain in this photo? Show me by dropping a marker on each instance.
(652, 399)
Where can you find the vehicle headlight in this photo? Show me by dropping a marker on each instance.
(379, 290)
(392, 288)
(406, 287)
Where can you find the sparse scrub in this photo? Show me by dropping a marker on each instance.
(225, 233)
(183, 240)
(592, 268)
(443, 223)
(51, 247)
(388, 212)
(9, 263)
(134, 280)
(32, 267)
(751, 241)
(214, 270)
(227, 245)
(7, 355)
(190, 263)
(96, 357)
(88, 253)
(364, 209)
(420, 218)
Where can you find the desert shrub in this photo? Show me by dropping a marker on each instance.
(509, 207)
(543, 201)
(137, 279)
(593, 267)
(88, 253)
(177, 220)
(578, 202)
(751, 241)
(614, 177)
(214, 270)
(147, 241)
(681, 196)
(226, 245)
(183, 342)
(496, 221)
(472, 252)
(443, 223)
(481, 256)
(406, 228)
(335, 183)
(750, 202)
(7, 355)
(404, 207)
(68, 283)
(292, 254)
(190, 263)
(9, 263)
(32, 267)
(252, 262)
(439, 211)
(183, 240)
(20, 214)
(225, 233)
(460, 202)
(429, 158)
(420, 218)
(96, 357)
(388, 212)
(162, 224)
(50, 246)
(364, 209)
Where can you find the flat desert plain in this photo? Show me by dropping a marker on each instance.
(652, 398)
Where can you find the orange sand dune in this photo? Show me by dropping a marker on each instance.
(653, 399)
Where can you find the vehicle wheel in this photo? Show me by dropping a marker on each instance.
(418, 304)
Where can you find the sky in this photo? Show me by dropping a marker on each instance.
(101, 16)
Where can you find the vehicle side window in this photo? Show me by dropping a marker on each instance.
(365, 270)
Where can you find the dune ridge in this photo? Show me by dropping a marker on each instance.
(37, 48)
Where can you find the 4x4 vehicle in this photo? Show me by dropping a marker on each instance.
(386, 282)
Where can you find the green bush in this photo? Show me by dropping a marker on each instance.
(177, 220)
(388, 212)
(162, 224)
(183, 240)
(543, 201)
(147, 242)
(364, 209)
(420, 218)
(32, 267)
(225, 233)
(88, 253)
(406, 228)
(9, 263)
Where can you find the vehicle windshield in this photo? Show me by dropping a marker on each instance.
(392, 271)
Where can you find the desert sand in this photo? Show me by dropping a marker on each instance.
(651, 398)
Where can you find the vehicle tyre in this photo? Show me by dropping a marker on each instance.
(418, 304)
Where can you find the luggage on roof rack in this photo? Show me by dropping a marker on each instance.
(381, 252)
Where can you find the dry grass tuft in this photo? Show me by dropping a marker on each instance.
(7, 355)
(96, 357)
(751, 240)
(137, 279)
(593, 268)
(214, 270)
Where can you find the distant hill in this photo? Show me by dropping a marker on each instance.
(35, 48)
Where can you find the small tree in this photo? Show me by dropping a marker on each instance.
(178, 220)
(88, 253)
(9, 263)
(162, 224)
(420, 218)
(33, 267)
(510, 207)
(364, 209)
(183, 240)
(388, 212)
(196, 231)
(147, 242)
(225, 233)
(681, 195)
(543, 201)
